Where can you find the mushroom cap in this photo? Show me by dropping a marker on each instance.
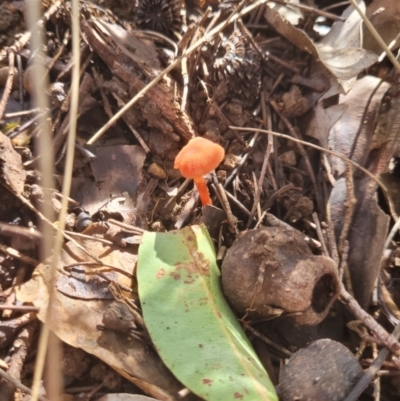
(199, 157)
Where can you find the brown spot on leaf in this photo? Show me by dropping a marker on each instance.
(197, 263)
(176, 276)
(160, 273)
(208, 382)
(238, 395)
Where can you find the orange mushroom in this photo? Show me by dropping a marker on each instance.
(198, 158)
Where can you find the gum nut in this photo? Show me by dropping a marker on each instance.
(273, 268)
(324, 371)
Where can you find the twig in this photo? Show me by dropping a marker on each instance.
(311, 10)
(344, 268)
(185, 77)
(20, 82)
(238, 203)
(267, 340)
(377, 380)
(20, 308)
(333, 6)
(225, 204)
(12, 230)
(242, 161)
(319, 234)
(126, 226)
(18, 384)
(103, 268)
(66, 187)
(84, 236)
(267, 154)
(9, 82)
(21, 113)
(330, 233)
(260, 182)
(134, 132)
(384, 337)
(138, 137)
(18, 255)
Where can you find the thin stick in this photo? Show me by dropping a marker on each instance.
(319, 234)
(225, 204)
(242, 161)
(350, 205)
(311, 10)
(384, 337)
(267, 340)
(259, 185)
(45, 332)
(268, 150)
(20, 308)
(46, 162)
(84, 236)
(126, 226)
(138, 137)
(21, 113)
(19, 385)
(9, 82)
(185, 77)
(237, 203)
(11, 230)
(18, 255)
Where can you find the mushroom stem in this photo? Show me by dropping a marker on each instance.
(201, 186)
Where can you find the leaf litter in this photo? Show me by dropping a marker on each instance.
(308, 71)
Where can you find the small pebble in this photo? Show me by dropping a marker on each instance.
(230, 162)
(157, 171)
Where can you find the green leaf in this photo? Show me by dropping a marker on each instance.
(189, 321)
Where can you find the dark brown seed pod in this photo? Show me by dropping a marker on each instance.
(272, 270)
(164, 16)
(237, 62)
(325, 370)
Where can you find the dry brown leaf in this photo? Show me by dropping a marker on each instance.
(345, 131)
(75, 320)
(369, 224)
